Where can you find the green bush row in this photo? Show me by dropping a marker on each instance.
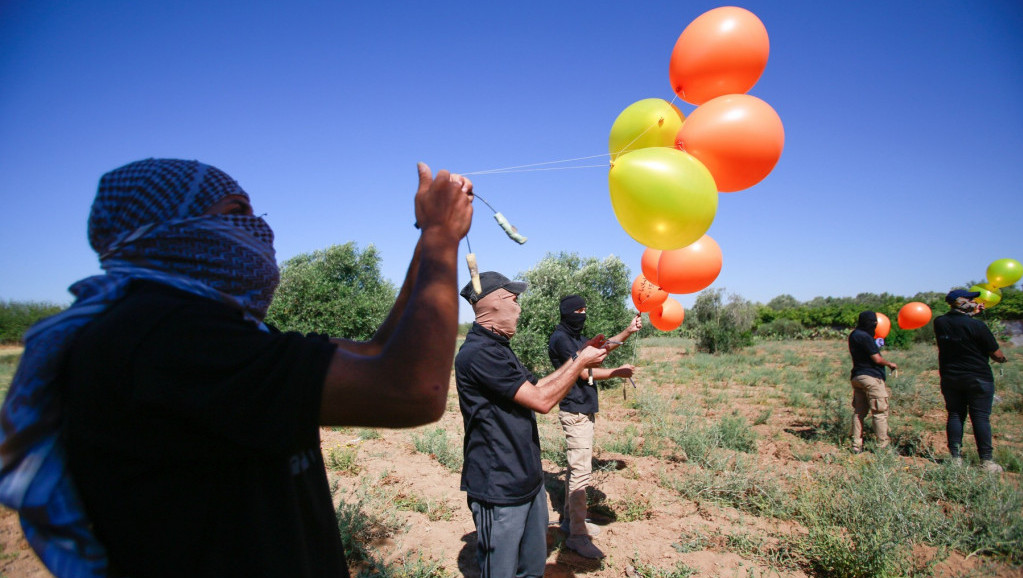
(17, 316)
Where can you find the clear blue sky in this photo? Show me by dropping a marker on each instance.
(902, 169)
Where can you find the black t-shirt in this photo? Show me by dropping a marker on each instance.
(964, 345)
(582, 398)
(193, 439)
(502, 445)
(862, 347)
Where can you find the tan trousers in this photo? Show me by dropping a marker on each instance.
(579, 439)
(870, 396)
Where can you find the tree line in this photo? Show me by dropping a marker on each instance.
(340, 291)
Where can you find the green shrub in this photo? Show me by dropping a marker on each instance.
(734, 433)
(436, 444)
(338, 291)
(782, 329)
(983, 510)
(679, 570)
(864, 519)
(722, 327)
(606, 286)
(17, 316)
(344, 459)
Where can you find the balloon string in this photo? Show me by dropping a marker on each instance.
(530, 167)
(638, 136)
(509, 171)
(515, 168)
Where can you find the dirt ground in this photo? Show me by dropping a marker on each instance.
(649, 542)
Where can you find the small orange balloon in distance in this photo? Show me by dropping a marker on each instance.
(884, 326)
(914, 315)
(723, 51)
(691, 268)
(669, 316)
(738, 137)
(648, 263)
(646, 296)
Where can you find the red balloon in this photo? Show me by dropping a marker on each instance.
(691, 268)
(884, 325)
(914, 315)
(723, 51)
(646, 296)
(669, 316)
(649, 264)
(738, 137)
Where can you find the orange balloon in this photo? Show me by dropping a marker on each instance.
(738, 138)
(723, 51)
(691, 268)
(646, 296)
(884, 325)
(669, 316)
(914, 315)
(648, 264)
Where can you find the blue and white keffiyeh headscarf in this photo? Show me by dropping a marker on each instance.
(147, 222)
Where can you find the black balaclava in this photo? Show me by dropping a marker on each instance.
(572, 322)
(867, 322)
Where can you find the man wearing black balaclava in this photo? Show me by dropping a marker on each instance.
(870, 396)
(576, 412)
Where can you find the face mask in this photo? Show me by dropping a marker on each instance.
(498, 312)
(574, 321)
(968, 307)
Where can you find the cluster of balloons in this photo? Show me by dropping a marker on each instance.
(914, 315)
(667, 170)
(1000, 273)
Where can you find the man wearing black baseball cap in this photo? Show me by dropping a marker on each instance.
(967, 384)
(501, 472)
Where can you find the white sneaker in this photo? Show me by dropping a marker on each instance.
(991, 467)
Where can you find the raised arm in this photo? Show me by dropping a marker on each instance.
(400, 378)
(625, 370)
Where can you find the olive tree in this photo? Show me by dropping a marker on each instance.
(605, 284)
(338, 291)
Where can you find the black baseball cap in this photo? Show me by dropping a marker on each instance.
(957, 293)
(491, 281)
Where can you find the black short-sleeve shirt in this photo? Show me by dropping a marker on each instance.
(582, 398)
(193, 439)
(502, 445)
(964, 346)
(862, 347)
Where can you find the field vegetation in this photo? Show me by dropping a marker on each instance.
(714, 464)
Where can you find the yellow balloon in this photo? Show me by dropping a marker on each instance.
(651, 122)
(1004, 272)
(989, 294)
(663, 197)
